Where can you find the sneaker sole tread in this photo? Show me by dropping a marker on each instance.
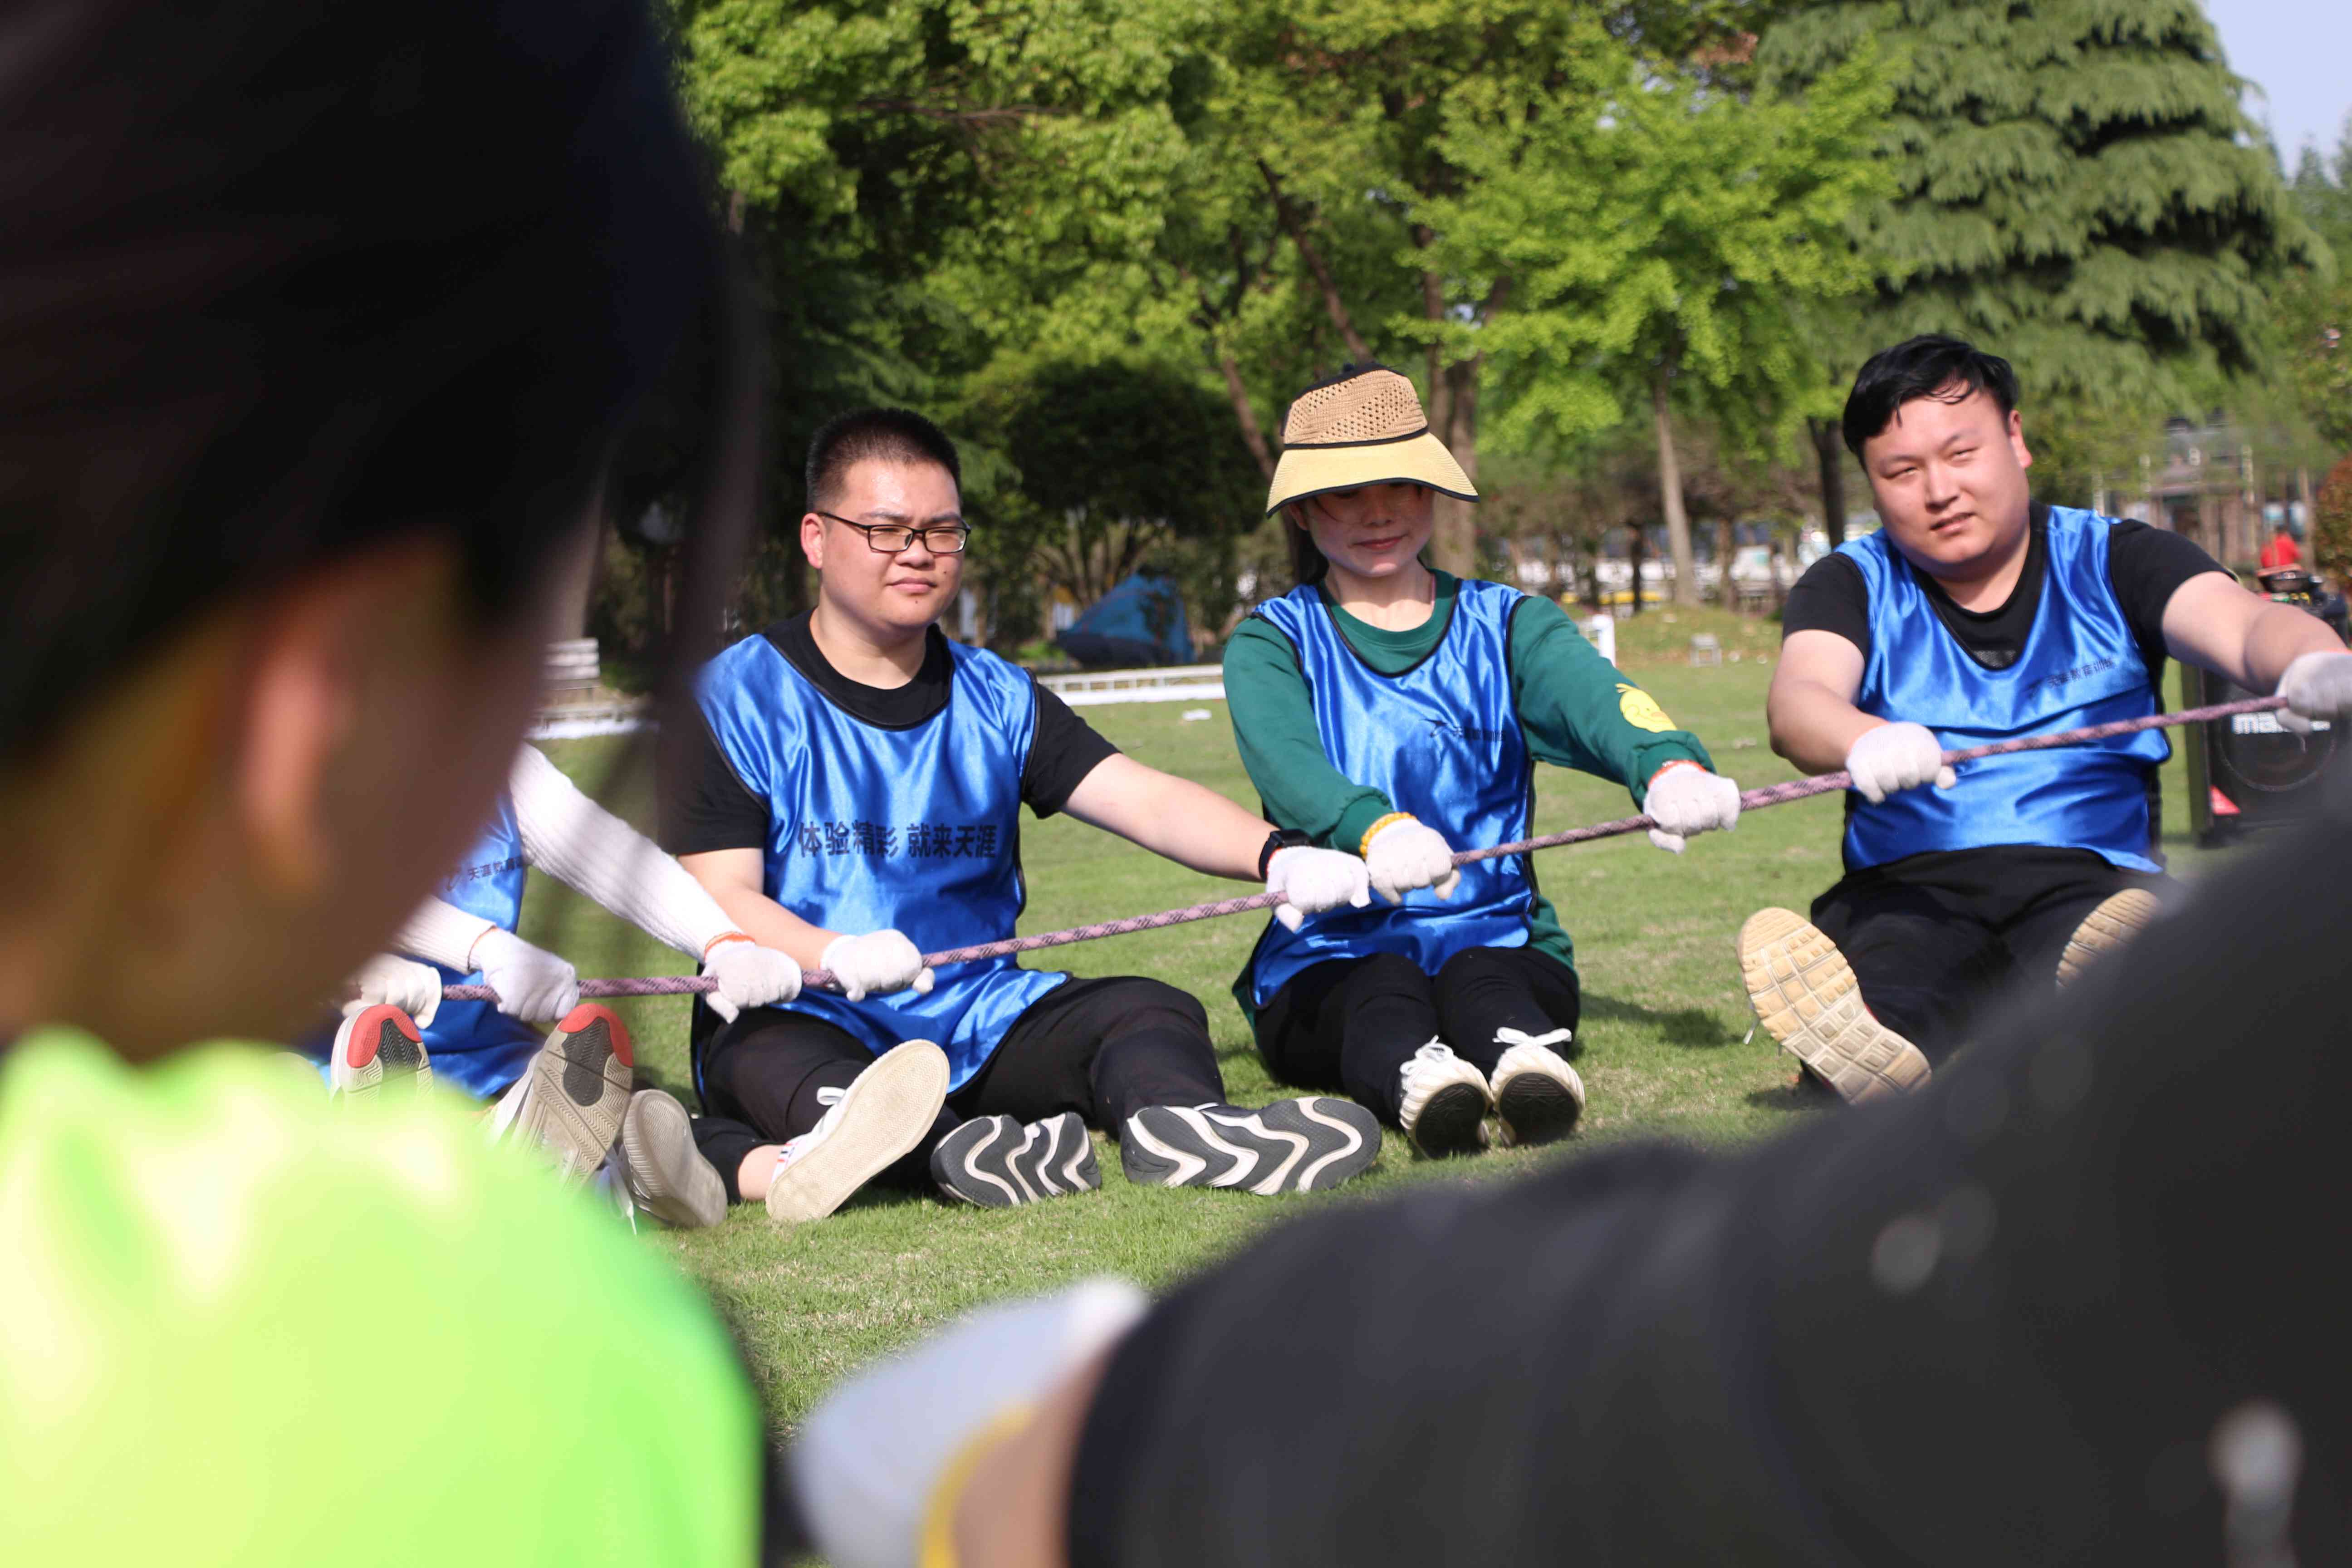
(2115, 923)
(1003, 1166)
(1807, 997)
(1292, 1145)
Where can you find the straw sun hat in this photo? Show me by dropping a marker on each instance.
(1361, 427)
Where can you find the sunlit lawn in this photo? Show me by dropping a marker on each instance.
(1664, 1051)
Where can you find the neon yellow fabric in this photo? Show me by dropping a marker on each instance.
(241, 1324)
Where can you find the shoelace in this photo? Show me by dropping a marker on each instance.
(794, 1148)
(1509, 1038)
(1437, 1053)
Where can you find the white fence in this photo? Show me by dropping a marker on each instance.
(1169, 683)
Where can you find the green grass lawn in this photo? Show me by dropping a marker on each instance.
(1662, 1046)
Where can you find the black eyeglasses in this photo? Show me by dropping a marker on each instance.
(890, 538)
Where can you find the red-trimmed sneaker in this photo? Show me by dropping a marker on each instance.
(572, 1097)
(378, 1048)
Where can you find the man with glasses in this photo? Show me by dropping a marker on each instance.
(857, 802)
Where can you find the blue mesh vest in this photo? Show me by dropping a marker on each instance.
(472, 1044)
(2081, 666)
(1443, 741)
(916, 830)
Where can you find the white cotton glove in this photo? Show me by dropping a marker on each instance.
(2318, 690)
(414, 988)
(1404, 856)
(877, 964)
(1310, 882)
(532, 983)
(750, 975)
(1898, 757)
(871, 1456)
(1685, 799)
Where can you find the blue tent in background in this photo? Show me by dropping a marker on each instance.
(1139, 622)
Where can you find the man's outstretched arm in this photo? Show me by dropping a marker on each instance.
(2212, 622)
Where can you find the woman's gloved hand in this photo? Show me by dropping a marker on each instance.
(1401, 855)
(1685, 798)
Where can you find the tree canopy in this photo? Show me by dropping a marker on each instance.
(2075, 185)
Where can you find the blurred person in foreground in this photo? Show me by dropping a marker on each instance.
(1976, 614)
(2078, 1301)
(853, 797)
(315, 328)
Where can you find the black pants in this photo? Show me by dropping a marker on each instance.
(1933, 937)
(1104, 1048)
(1351, 1023)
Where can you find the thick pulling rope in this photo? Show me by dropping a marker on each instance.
(1750, 800)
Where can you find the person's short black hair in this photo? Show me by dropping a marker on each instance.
(280, 282)
(889, 434)
(1932, 364)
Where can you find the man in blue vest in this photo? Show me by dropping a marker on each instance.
(856, 801)
(1977, 613)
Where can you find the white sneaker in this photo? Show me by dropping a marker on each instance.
(378, 1049)
(1537, 1096)
(880, 1118)
(1445, 1102)
(661, 1170)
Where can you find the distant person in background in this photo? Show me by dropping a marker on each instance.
(1977, 613)
(853, 797)
(1398, 712)
(320, 323)
(2281, 551)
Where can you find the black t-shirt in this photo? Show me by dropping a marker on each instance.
(2146, 566)
(717, 810)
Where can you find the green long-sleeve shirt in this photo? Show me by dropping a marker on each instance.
(1575, 709)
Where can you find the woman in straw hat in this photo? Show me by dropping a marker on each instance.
(1390, 709)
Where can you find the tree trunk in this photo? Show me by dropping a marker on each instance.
(1726, 592)
(1245, 412)
(1829, 451)
(1633, 546)
(1454, 542)
(1670, 490)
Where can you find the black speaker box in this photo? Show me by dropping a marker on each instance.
(2249, 773)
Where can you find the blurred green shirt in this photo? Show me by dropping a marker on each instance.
(242, 1324)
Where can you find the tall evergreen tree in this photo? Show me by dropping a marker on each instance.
(2076, 188)
(2315, 307)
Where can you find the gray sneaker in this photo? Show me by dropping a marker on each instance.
(661, 1170)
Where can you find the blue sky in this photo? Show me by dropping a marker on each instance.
(2300, 53)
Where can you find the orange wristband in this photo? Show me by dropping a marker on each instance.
(1675, 763)
(1364, 848)
(723, 936)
